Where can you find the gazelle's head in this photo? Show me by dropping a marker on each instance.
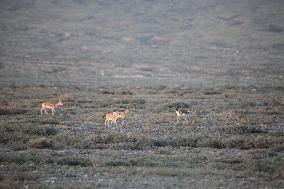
(59, 103)
(126, 110)
(177, 112)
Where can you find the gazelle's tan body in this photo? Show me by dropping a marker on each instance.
(47, 105)
(123, 113)
(111, 117)
(114, 116)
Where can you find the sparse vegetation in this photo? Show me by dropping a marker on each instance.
(228, 139)
(9, 111)
(41, 143)
(219, 62)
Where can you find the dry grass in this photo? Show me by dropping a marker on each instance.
(41, 143)
(66, 98)
(232, 117)
(9, 111)
(223, 138)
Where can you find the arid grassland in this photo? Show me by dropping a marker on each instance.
(234, 138)
(221, 59)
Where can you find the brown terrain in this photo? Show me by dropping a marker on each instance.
(222, 60)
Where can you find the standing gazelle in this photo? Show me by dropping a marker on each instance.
(49, 105)
(112, 117)
(182, 114)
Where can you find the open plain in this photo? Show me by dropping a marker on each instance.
(223, 60)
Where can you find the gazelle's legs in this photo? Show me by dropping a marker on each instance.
(108, 123)
(41, 111)
(46, 112)
(187, 119)
(123, 122)
(184, 119)
(53, 111)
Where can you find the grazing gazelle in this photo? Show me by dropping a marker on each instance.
(48, 105)
(182, 114)
(112, 117)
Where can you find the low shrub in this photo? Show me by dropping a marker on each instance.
(66, 138)
(41, 143)
(176, 105)
(74, 161)
(9, 111)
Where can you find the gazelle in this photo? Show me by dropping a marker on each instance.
(112, 117)
(52, 106)
(182, 114)
(121, 113)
